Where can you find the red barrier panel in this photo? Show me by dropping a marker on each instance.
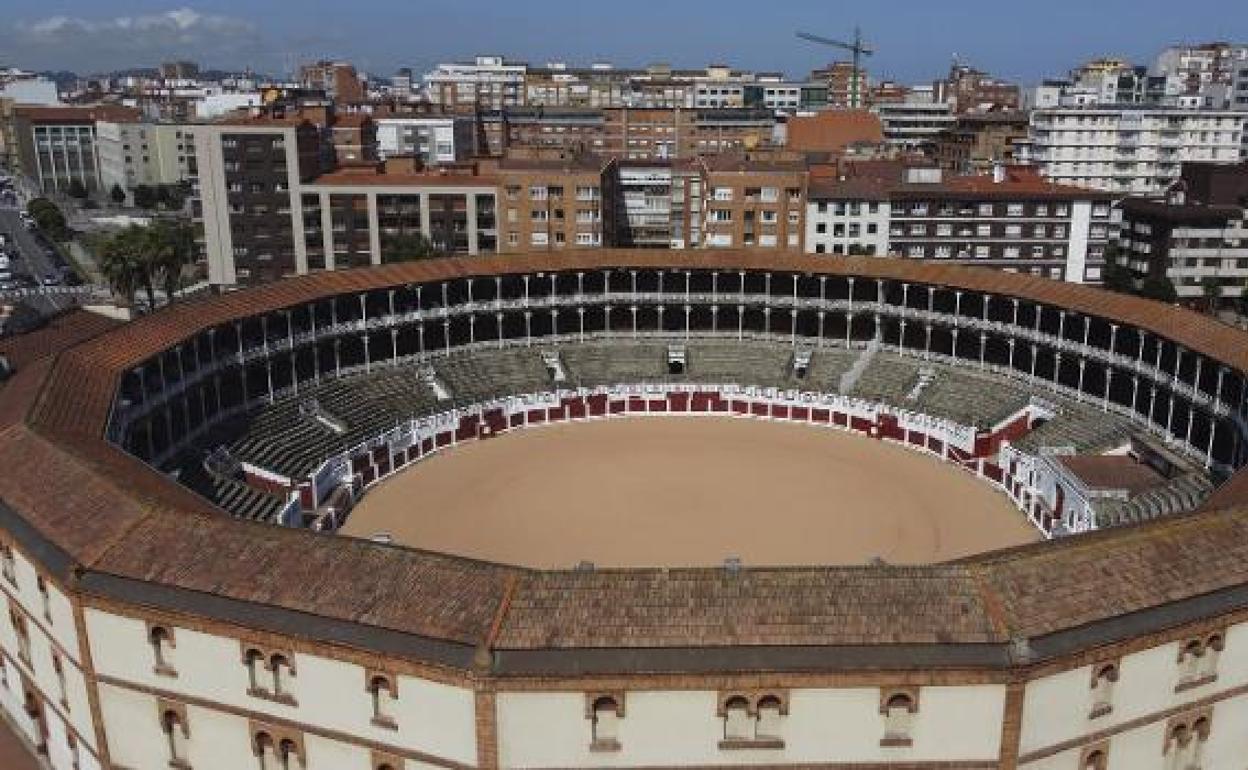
(820, 415)
(537, 415)
(597, 405)
(740, 407)
(678, 402)
(780, 411)
(443, 439)
(801, 413)
(618, 407)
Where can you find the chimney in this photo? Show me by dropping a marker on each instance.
(998, 172)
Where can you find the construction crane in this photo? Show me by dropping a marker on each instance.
(858, 48)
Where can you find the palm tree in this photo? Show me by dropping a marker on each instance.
(172, 246)
(119, 262)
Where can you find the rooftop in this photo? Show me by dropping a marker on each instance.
(111, 526)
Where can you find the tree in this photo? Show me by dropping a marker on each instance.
(120, 263)
(77, 190)
(1159, 288)
(1211, 290)
(171, 246)
(407, 248)
(144, 197)
(117, 195)
(48, 218)
(171, 196)
(1115, 277)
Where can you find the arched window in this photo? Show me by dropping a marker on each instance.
(1095, 759)
(738, 722)
(176, 734)
(604, 723)
(899, 709)
(769, 710)
(58, 668)
(254, 660)
(8, 563)
(1198, 661)
(18, 621)
(380, 691)
(161, 641)
(277, 663)
(266, 750)
(1178, 744)
(45, 597)
(288, 755)
(1104, 676)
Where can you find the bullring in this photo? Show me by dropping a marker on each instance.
(131, 592)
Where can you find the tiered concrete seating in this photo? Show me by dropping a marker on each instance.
(887, 378)
(969, 398)
(1182, 493)
(740, 363)
(491, 374)
(596, 364)
(1086, 428)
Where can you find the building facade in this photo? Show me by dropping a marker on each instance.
(134, 154)
(1130, 150)
(57, 145)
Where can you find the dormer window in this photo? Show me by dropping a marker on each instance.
(1198, 661)
(8, 568)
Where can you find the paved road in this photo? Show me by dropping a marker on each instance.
(35, 261)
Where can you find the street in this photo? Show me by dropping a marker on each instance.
(32, 257)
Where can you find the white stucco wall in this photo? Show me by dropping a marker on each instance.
(681, 727)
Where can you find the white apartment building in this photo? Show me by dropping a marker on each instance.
(1130, 150)
(915, 121)
(489, 81)
(433, 140)
(134, 154)
(847, 217)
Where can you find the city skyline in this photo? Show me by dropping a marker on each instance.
(229, 34)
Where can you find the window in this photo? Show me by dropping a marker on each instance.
(18, 621)
(1095, 758)
(161, 640)
(753, 721)
(537, 192)
(768, 217)
(539, 239)
(1104, 676)
(1186, 735)
(983, 231)
(177, 733)
(985, 209)
(277, 751)
(721, 215)
(1014, 210)
(268, 674)
(1013, 231)
(723, 193)
(381, 690)
(898, 708)
(604, 713)
(1198, 661)
(58, 668)
(8, 563)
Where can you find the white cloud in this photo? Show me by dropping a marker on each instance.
(121, 41)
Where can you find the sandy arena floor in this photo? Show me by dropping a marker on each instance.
(689, 491)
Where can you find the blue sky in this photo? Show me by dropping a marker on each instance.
(916, 40)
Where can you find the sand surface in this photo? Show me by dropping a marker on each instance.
(689, 491)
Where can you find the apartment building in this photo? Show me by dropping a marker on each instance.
(917, 121)
(338, 80)
(751, 203)
(247, 193)
(57, 145)
(546, 205)
(972, 90)
(1012, 220)
(978, 141)
(653, 204)
(779, 95)
(1205, 70)
(488, 82)
(1199, 233)
(847, 88)
(847, 216)
(1131, 150)
(134, 154)
(433, 139)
